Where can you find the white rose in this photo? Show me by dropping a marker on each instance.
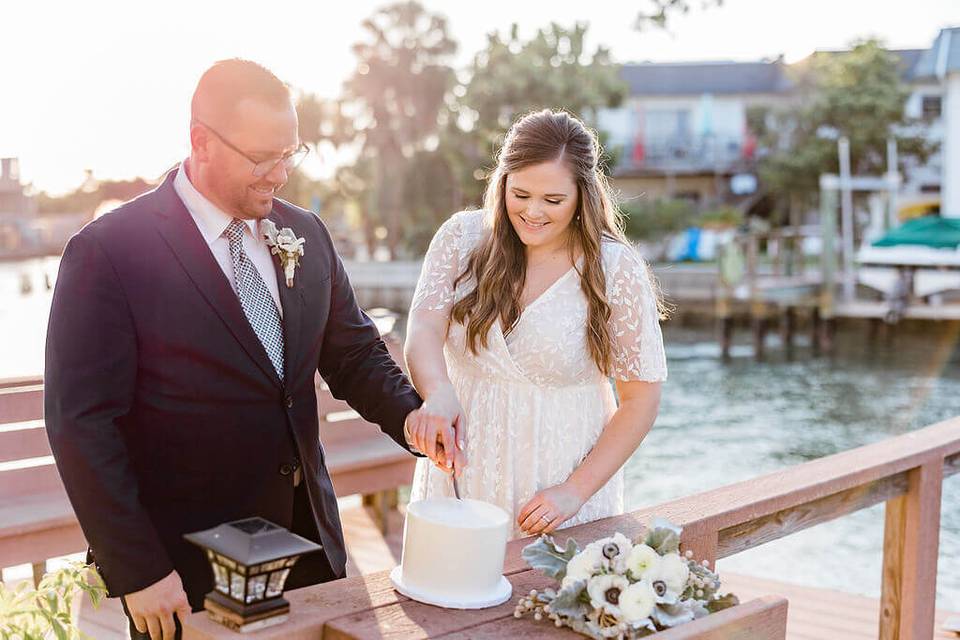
(642, 559)
(637, 601)
(605, 591)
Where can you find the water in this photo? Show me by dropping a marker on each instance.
(722, 423)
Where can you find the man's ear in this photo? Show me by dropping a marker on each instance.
(199, 142)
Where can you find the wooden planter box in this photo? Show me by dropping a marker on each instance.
(758, 619)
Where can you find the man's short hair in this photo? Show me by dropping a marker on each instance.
(228, 82)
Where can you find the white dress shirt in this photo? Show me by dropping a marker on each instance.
(212, 222)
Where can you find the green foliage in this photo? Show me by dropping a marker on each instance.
(653, 219)
(397, 97)
(723, 217)
(553, 69)
(858, 94)
(660, 11)
(45, 612)
(663, 536)
(549, 558)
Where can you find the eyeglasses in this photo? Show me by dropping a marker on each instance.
(262, 167)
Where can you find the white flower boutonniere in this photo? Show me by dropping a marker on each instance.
(284, 243)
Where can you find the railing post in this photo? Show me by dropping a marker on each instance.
(910, 545)
(702, 541)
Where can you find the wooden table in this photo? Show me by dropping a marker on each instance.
(365, 607)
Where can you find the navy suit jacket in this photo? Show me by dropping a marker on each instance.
(163, 411)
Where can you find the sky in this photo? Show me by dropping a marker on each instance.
(105, 85)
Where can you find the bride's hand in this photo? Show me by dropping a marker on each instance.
(439, 430)
(549, 509)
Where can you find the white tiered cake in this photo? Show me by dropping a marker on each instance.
(453, 554)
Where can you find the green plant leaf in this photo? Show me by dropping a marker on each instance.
(723, 602)
(545, 556)
(568, 602)
(664, 536)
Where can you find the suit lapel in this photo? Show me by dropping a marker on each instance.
(182, 235)
(291, 299)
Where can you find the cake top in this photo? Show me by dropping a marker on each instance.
(464, 514)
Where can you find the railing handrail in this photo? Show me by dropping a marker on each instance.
(741, 503)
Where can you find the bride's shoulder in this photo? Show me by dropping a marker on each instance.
(469, 220)
(466, 226)
(612, 251)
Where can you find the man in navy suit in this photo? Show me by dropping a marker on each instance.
(180, 361)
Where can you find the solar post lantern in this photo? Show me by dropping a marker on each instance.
(251, 560)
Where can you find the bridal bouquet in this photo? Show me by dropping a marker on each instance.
(618, 589)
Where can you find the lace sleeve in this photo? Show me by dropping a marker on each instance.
(635, 321)
(441, 266)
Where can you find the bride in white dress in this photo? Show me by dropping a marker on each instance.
(523, 314)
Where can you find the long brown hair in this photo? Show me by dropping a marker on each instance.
(498, 264)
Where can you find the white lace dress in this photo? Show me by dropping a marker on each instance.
(535, 402)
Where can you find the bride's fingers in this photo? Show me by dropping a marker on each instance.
(541, 524)
(556, 522)
(527, 508)
(460, 424)
(528, 522)
(459, 462)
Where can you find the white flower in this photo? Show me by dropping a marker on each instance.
(285, 244)
(642, 559)
(583, 566)
(605, 591)
(614, 552)
(269, 231)
(669, 577)
(638, 601)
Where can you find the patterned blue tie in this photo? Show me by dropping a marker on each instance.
(255, 298)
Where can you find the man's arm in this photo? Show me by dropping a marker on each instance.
(90, 374)
(355, 362)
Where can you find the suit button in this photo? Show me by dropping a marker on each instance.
(285, 469)
(288, 401)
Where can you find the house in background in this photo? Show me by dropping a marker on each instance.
(935, 83)
(682, 131)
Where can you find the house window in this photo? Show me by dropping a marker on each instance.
(930, 107)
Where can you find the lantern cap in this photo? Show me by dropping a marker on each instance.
(252, 541)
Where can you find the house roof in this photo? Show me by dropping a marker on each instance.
(941, 58)
(696, 78)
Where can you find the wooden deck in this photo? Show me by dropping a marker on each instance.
(814, 614)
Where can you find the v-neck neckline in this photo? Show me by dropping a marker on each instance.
(548, 290)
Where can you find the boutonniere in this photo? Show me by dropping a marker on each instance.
(285, 244)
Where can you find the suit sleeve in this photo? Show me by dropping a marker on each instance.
(89, 378)
(355, 362)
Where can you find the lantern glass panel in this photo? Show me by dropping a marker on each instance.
(236, 586)
(220, 575)
(256, 588)
(225, 561)
(277, 579)
(292, 561)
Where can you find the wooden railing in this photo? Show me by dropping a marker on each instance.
(906, 472)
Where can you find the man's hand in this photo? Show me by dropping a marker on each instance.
(153, 608)
(438, 430)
